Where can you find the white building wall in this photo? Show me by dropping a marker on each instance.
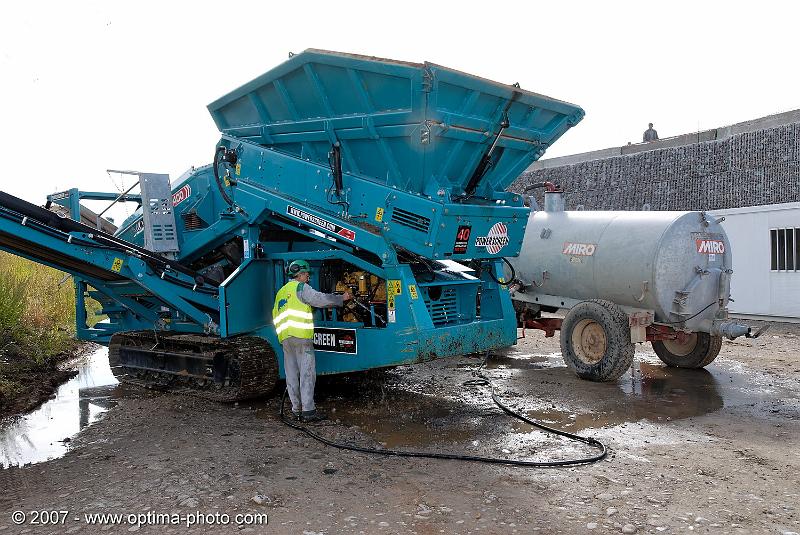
(755, 288)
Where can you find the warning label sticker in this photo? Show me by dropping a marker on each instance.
(395, 287)
(391, 308)
(322, 223)
(116, 265)
(412, 290)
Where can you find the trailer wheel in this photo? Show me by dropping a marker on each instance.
(596, 340)
(696, 351)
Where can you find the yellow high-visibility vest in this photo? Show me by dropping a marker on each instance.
(291, 316)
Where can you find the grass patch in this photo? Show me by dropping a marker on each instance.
(37, 307)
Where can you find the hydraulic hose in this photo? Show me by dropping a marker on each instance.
(690, 317)
(222, 191)
(513, 273)
(481, 380)
(551, 186)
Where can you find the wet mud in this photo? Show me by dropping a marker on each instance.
(425, 406)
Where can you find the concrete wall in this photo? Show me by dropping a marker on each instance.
(751, 163)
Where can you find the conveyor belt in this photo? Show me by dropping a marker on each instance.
(14, 208)
(51, 219)
(65, 262)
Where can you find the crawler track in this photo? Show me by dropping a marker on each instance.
(204, 366)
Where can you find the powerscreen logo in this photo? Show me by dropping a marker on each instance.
(495, 240)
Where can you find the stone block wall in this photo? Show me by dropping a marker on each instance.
(746, 169)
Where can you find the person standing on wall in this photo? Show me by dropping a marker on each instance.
(650, 134)
(294, 323)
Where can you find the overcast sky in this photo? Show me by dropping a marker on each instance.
(87, 86)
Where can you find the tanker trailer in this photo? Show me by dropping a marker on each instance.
(625, 277)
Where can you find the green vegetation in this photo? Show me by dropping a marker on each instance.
(37, 324)
(37, 307)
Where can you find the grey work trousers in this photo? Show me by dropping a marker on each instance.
(300, 366)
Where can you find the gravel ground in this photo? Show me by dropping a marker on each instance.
(708, 451)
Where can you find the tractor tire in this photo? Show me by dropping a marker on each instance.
(699, 350)
(596, 340)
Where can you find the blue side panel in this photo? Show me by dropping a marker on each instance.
(244, 298)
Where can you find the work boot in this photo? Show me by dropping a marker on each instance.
(311, 416)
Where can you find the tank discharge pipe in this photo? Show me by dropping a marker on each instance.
(731, 330)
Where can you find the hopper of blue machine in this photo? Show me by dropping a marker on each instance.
(419, 127)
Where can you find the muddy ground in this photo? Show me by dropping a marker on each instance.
(26, 383)
(714, 451)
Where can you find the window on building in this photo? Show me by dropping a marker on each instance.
(784, 249)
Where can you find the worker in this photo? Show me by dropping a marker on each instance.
(294, 323)
(650, 134)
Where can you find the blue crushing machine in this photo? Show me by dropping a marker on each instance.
(381, 173)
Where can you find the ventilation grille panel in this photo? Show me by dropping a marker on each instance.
(411, 220)
(444, 311)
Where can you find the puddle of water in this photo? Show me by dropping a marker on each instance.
(39, 436)
(523, 361)
(408, 423)
(650, 391)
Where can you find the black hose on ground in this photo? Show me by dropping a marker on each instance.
(481, 380)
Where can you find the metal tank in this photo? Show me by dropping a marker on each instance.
(677, 264)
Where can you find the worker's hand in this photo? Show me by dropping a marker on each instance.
(346, 296)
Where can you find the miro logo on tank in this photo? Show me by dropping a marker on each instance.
(496, 239)
(710, 246)
(579, 249)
